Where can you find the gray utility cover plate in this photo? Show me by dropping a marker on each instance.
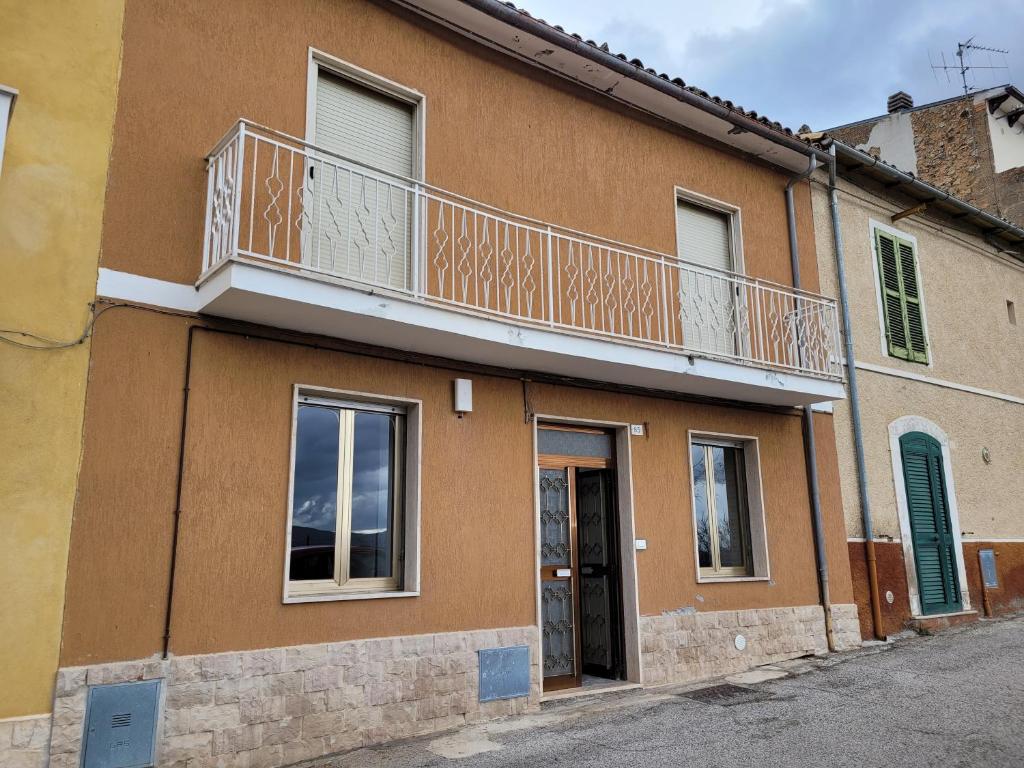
(988, 568)
(120, 725)
(504, 673)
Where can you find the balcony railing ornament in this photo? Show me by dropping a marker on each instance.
(298, 207)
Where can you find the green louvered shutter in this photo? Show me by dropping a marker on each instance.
(901, 298)
(932, 535)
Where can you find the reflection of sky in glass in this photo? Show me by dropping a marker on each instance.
(730, 536)
(372, 495)
(315, 498)
(722, 479)
(700, 497)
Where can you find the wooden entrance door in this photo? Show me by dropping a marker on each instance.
(559, 596)
(579, 573)
(933, 539)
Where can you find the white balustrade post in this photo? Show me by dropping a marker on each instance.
(415, 279)
(237, 215)
(211, 174)
(664, 302)
(551, 282)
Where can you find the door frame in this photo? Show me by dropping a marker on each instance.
(897, 429)
(627, 538)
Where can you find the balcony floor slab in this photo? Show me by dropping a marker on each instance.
(257, 293)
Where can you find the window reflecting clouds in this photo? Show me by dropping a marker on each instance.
(315, 497)
(373, 484)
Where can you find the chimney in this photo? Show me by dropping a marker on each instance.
(898, 102)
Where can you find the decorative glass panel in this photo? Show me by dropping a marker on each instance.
(373, 496)
(596, 620)
(557, 627)
(701, 508)
(315, 497)
(560, 442)
(595, 605)
(555, 547)
(591, 519)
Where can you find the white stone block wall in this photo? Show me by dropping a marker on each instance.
(23, 741)
(846, 626)
(683, 647)
(278, 706)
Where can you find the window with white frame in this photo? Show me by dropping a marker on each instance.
(728, 518)
(902, 304)
(706, 237)
(361, 209)
(347, 507)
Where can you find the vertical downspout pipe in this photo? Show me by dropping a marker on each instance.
(858, 432)
(810, 449)
(175, 531)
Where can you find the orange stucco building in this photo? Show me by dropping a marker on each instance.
(450, 362)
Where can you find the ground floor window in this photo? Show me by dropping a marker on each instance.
(728, 520)
(347, 513)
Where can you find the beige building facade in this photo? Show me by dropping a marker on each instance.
(964, 391)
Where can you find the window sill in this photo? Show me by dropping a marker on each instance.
(721, 579)
(338, 596)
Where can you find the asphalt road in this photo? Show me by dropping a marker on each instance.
(954, 699)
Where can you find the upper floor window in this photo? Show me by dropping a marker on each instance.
(347, 510)
(704, 235)
(707, 237)
(362, 219)
(902, 308)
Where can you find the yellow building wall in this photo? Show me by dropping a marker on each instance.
(64, 58)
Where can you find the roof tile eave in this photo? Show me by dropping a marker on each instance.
(639, 64)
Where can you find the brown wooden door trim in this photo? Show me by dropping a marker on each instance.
(547, 573)
(552, 461)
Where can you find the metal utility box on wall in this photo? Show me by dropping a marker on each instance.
(120, 725)
(504, 673)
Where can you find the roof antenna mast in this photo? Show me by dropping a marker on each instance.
(963, 51)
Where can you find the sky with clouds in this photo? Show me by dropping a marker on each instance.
(820, 62)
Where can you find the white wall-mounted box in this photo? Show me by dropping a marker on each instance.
(462, 391)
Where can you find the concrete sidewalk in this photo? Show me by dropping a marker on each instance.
(954, 699)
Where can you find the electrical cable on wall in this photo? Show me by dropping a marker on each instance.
(49, 343)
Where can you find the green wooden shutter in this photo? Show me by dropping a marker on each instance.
(901, 298)
(932, 536)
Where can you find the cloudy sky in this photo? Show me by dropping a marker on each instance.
(820, 62)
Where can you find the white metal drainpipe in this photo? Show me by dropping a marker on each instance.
(810, 450)
(858, 433)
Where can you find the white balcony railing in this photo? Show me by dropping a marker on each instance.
(279, 200)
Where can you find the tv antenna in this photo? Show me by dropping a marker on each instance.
(963, 51)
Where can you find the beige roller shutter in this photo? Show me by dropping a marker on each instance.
(364, 125)
(702, 236)
(361, 220)
(708, 302)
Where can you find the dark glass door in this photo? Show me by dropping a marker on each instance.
(600, 604)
